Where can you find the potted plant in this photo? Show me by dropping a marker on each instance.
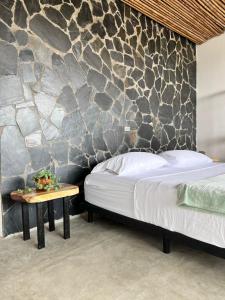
(45, 180)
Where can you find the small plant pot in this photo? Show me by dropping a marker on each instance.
(43, 182)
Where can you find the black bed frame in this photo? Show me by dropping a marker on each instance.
(167, 235)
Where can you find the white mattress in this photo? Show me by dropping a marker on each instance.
(151, 197)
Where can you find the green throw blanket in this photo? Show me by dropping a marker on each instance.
(207, 194)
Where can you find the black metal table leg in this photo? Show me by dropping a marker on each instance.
(90, 216)
(51, 219)
(66, 218)
(40, 226)
(166, 244)
(25, 219)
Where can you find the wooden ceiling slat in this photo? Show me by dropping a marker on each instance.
(211, 13)
(203, 17)
(160, 17)
(198, 20)
(204, 24)
(183, 18)
(172, 25)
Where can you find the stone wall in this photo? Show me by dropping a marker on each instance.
(73, 73)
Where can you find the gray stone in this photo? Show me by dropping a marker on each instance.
(87, 146)
(25, 104)
(98, 140)
(96, 80)
(50, 83)
(34, 139)
(27, 120)
(71, 173)
(14, 155)
(103, 101)
(77, 49)
(92, 59)
(97, 9)
(112, 90)
(28, 95)
(67, 99)
(97, 28)
(73, 30)
(59, 152)
(120, 70)
(49, 33)
(109, 23)
(32, 6)
(73, 125)
(50, 131)
(83, 97)
(7, 116)
(5, 33)
(143, 144)
(11, 91)
(136, 74)
(149, 78)
(45, 104)
(171, 62)
(40, 158)
(8, 59)
(58, 116)
(67, 10)
(145, 131)
(91, 116)
(106, 57)
(60, 68)
(26, 55)
(154, 102)
(55, 16)
(116, 56)
(21, 37)
(185, 91)
(117, 108)
(51, 2)
(168, 94)
(75, 71)
(143, 105)
(27, 73)
(165, 114)
(97, 45)
(84, 16)
(5, 14)
(77, 157)
(42, 53)
(132, 94)
(111, 141)
(20, 15)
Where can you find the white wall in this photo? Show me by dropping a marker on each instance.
(211, 97)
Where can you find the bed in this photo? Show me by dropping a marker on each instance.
(150, 197)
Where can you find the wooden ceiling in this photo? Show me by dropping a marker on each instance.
(198, 20)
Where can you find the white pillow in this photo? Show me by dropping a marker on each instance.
(132, 162)
(185, 158)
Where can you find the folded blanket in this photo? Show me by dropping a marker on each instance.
(207, 194)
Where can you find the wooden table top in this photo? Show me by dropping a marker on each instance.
(65, 190)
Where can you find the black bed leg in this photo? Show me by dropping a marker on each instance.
(90, 216)
(166, 244)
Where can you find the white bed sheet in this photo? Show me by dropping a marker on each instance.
(151, 197)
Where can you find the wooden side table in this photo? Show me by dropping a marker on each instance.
(38, 198)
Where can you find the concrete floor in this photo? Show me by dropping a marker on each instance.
(106, 261)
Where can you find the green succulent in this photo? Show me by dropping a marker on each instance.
(46, 174)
